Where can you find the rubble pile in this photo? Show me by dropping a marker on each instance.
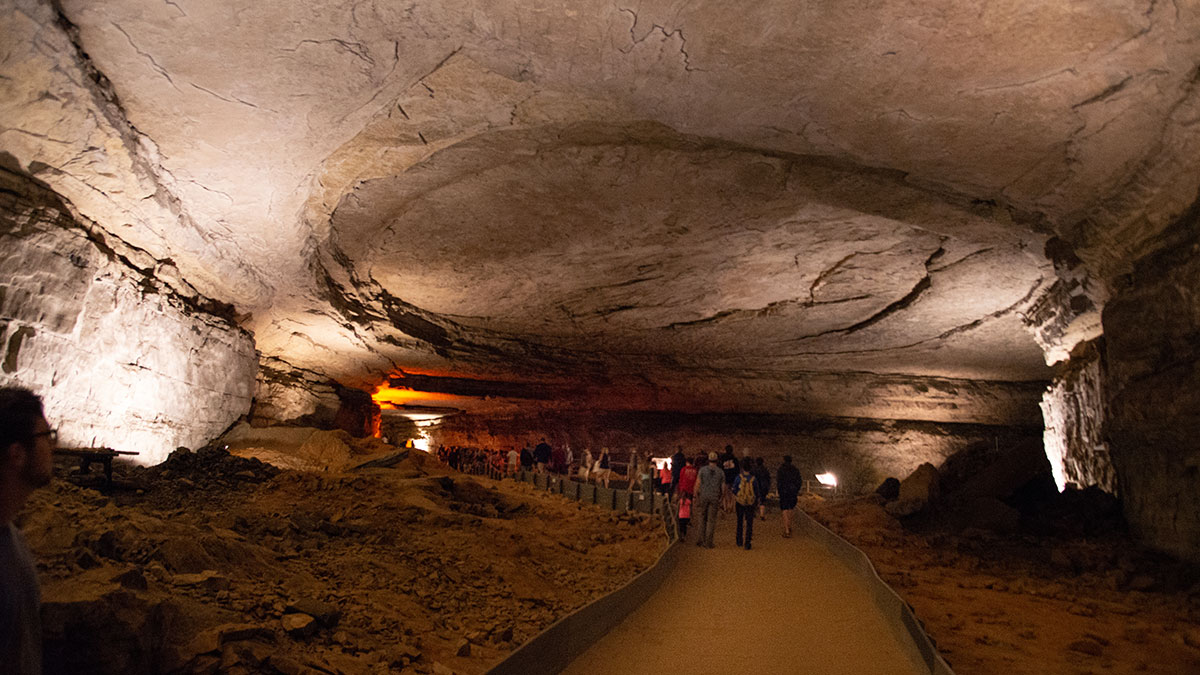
(218, 563)
(1051, 596)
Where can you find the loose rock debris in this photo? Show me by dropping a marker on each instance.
(216, 563)
(1075, 598)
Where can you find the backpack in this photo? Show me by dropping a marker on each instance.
(745, 493)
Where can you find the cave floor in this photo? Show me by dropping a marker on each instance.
(1018, 605)
(215, 565)
(198, 570)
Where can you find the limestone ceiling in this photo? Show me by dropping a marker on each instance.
(535, 187)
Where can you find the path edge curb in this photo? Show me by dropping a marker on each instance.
(894, 609)
(552, 650)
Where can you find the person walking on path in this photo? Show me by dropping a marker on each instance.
(687, 479)
(746, 499)
(585, 469)
(541, 455)
(558, 460)
(664, 479)
(729, 464)
(677, 461)
(514, 461)
(710, 481)
(631, 471)
(685, 515)
(788, 481)
(605, 464)
(646, 478)
(526, 458)
(762, 485)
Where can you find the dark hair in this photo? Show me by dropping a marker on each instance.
(20, 409)
(758, 461)
(787, 459)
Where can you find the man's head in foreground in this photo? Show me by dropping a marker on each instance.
(26, 446)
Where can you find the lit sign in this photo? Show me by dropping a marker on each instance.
(827, 479)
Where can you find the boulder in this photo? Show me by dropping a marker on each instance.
(989, 513)
(889, 489)
(326, 613)
(916, 492)
(299, 625)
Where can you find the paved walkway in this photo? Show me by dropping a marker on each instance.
(784, 607)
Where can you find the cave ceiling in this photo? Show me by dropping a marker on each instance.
(564, 190)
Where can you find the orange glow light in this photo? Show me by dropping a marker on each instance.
(388, 395)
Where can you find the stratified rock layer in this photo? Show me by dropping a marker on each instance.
(1152, 329)
(1074, 409)
(119, 360)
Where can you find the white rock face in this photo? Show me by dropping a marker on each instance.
(1074, 409)
(119, 362)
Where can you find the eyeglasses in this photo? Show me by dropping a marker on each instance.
(52, 434)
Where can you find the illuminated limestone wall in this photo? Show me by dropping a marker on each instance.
(121, 359)
(1074, 412)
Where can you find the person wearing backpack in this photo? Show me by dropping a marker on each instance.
(745, 497)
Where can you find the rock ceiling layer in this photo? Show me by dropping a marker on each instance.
(591, 188)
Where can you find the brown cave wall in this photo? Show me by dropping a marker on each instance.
(285, 394)
(1074, 410)
(861, 452)
(1152, 333)
(120, 357)
(291, 396)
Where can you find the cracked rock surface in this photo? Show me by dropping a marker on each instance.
(635, 199)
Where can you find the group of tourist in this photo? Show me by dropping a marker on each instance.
(697, 486)
(708, 484)
(472, 460)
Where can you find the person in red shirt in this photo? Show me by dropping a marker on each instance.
(687, 478)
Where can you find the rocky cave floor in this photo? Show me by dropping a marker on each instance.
(212, 562)
(1067, 592)
(215, 563)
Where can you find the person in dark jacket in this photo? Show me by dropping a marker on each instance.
(787, 480)
(558, 461)
(677, 461)
(728, 463)
(526, 459)
(762, 484)
(541, 455)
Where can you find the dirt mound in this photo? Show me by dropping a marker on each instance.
(227, 564)
(302, 448)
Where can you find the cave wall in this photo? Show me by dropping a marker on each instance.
(1074, 410)
(120, 358)
(861, 452)
(285, 394)
(1152, 333)
(291, 396)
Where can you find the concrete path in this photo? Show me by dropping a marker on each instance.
(784, 607)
